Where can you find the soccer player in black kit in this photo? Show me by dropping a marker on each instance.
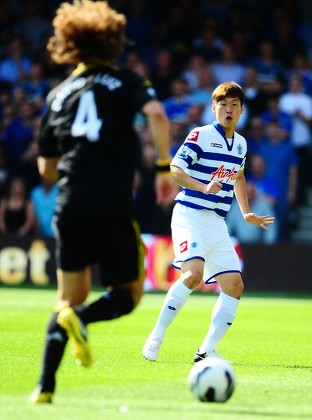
(88, 144)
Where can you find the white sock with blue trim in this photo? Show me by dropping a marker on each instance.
(176, 297)
(222, 317)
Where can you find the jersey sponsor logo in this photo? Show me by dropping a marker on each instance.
(171, 308)
(193, 136)
(183, 246)
(224, 174)
(217, 145)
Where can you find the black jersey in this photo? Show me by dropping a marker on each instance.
(88, 123)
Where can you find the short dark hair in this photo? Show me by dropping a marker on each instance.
(228, 90)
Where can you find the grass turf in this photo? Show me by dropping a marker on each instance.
(270, 344)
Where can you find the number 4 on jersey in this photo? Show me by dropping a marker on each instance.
(87, 122)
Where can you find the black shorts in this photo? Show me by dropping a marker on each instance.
(113, 241)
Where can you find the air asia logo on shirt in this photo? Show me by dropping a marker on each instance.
(193, 136)
(183, 246)
(223, 174)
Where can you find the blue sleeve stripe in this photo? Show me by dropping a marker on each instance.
(193, 146)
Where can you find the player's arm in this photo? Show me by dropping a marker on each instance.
(186, 181)
(158, 125)
(241, 196)
(48, 167)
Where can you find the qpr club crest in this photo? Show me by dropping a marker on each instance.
(239, 149)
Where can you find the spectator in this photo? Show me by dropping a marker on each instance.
(193, 70)
(274, 113)
(266, 186)
(4, 172)
(255, 98)
(177, 133)
(255, 134)
(247, 233)
(16, 66)
(18, 134)
(228, 68)
(139, 28)
(300, 65)
(195, 113)
(208, 43)
(305, 29)
(36, 86)
(28, 167)
(43, 198)
(178, 104)
(206, 85)
(282, 165)
(16, 210)
(269, 69)
(298, 105)
(287, 42)
(163, 73)
(34, 27)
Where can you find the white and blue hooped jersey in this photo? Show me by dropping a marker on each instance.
(207, 155)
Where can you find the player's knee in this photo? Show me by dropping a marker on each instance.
(124, 301)
(192, 279)
(236, 287)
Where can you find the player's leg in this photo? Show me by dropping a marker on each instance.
(121, 274)
(223, 314)
(73, 288)
(177, 295)
(117, 301)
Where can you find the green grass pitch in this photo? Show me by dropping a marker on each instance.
(270, 344)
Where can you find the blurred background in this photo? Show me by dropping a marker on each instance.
(186, 48)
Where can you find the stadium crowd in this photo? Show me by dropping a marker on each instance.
(186, 48)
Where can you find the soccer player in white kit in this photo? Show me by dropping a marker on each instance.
(209, 166)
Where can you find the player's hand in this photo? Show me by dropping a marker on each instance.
(213, 187)
(166, 188)
(261, 221)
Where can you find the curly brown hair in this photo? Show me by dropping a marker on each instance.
(87, 32)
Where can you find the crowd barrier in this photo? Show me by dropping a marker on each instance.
(283, 267)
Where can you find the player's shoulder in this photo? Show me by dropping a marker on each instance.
(198, 133)
(60, 89)
(129, 76)
(240, 137)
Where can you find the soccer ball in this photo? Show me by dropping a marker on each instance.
(212, 380)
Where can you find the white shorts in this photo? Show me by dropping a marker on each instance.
(203, 234)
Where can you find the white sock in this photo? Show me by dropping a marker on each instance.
(222, 316)
(176, 297)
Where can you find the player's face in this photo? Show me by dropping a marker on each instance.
(228, 112)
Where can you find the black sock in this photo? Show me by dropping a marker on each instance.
(110, 305)
(55, 343)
